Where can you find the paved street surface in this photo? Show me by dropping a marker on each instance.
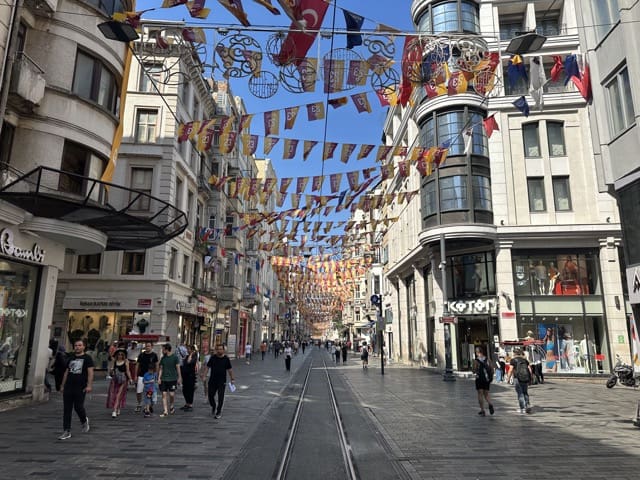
(408, 420)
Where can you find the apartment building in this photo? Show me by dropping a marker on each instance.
(511, 241)
(608, 30)
(60, 109)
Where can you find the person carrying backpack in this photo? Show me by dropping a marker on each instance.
(521, 373)
(483, 370)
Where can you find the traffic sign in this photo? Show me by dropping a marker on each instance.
(375, 299)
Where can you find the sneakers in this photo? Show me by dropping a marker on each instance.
(217, 415)
(147, 414)
(481, 413)
(491, 409)
(164, 414)
(528, 409)
(114, 414)
(85, 426)
(172, 410)
(520, 410)
(138, 408)
(65, 435)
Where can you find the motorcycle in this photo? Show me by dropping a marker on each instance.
(624, 373)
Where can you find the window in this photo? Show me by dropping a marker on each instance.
(185, 268)
(449, 125)
(141, 181)
(453, 193)
(430, 199)
(228, 229)
(620, 102)
(93, 81)
(443, 17)
(21, 40)
(133, 263)
(510, 25)
(173, 258)
(535, 187)
(74, 161)
(376, 285)
(481, 192)
(6, 143)
(146, 121)
(605, 15)
(107, 6)
(548, 24)
(89, 263)
(555, 139)
(150, 77)
(227, 280)
(469, 275)
(190, 206)
(212, 221)
(195, 282)
(178, 203)
(531, 140)
(561, 194)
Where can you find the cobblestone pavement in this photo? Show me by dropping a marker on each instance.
(430, 427)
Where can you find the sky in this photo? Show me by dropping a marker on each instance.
(342, 125)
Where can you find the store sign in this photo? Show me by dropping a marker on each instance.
(478, 306)
(144, 302)
(99, 303)
(8, 248)
(186, 307)
(633, 281)
(13, 312)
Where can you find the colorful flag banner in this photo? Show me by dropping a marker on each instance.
(346, 151)
(301, 184)
(467, 135)
(522, 105)
(338, 102)
(352, 178)
(316, 184)
(490, 125)
(333, 75)
(537, 81)
(383, 152)
(284, 184)
(271, 123)
(354, 24)
(249, 143)
(334, 181)
(365, 150)
(245, 122)
(290, 146)
(269, 143)
(361, 102)
(305, 15)
(307, 147)
(327, 151)
(291, 113)
(315, 111)
(357, 73)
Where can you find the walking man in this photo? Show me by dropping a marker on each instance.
(263, 349)
(247, 352)
(76, 383)
(219, 364)
(146, 358)
(521, 372)
(168, 379)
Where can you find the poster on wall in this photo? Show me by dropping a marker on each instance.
(231, 346)
(562, 353)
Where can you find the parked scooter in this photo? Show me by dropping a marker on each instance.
(624, 373)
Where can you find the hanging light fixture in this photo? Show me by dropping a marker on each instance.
(526, 42)
(119, 31)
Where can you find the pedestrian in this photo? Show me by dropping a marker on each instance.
(304, 346)
(59, 366)
(345, 350)
(145, 359)
(150, 383)
(76, 383)
(219, 364)
(51, 355)
(521, 373)
(483, 369)
(263, 349)
(500, 370)
(133, 351)
(276, 349)
(288, 352)
(169, 378)
(337, 353)
(247, 352)
(364, 356)
(536, 367)
(120, 378)
(189, 370)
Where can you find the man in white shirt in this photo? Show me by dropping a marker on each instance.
(247, 352)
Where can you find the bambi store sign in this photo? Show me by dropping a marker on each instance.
(8, 248)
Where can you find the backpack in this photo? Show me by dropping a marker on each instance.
(485, 372)
(522, 371)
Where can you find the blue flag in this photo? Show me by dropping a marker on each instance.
(571, 68)
(354, 24)
(522, 105)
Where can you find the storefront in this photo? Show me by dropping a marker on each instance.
(559, 303)
(183, 321)
(476, 326)
(101, 321)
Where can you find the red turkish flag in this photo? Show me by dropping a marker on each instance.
(297, 44)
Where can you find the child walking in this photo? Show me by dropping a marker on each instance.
(150, 381)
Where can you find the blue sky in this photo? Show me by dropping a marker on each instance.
(343, 125)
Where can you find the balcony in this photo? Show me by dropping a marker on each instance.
(229, 294)
(26, 89)
(203, 186)
(233, 243)
(43, 8)
(131, 220)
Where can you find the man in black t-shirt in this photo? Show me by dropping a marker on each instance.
(219, 364)
(76, 383)
(146, 358)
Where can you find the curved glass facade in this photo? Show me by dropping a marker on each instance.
(449, 125)
(449, 16)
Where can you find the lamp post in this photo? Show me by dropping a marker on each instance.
(446, 319)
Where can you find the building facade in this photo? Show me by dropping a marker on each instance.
(511, 241)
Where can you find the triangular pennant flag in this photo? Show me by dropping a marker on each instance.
(490, 125)
(365, 150)
(272, 123)
(361, 102)
(522, 105)
(291, 113)
(307, 147)
(346, 151)
(269, 143)
(315, 111)
(290, 146)
(354, 24)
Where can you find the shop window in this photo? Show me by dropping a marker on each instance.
(133, 263)
(556, 274)
(150, 77)
(535, 189)
(75, 158)
(561, 194)
(481, 193)
(531, 140)
(89, 263)
(555, 139)
(620, 101)
(93, 81)
(146, 125)
(141, 182)
(453, 193)
(471, 275)
(19, 284)
(449, 126)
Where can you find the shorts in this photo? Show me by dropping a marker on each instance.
(140, 385)
(166, 386)
(480, 385)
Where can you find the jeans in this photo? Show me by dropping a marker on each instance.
(73, 399)
(498, 375)
(522, 390)
(219, 389)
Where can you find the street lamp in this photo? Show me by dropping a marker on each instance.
(526, 42)
(119, 31)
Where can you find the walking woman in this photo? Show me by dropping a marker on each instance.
(483, 369)
(120, 378)
(189, 376)
(288, 352)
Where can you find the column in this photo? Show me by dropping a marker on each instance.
(421, 344)
(404, 322)
(615, 315)
(504, 287)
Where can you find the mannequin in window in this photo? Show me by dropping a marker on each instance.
(587, 352)
(553, 277)
(541, 278)
(478, 277)
(570, 270)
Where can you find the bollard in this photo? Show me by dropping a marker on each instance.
(636, 421)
